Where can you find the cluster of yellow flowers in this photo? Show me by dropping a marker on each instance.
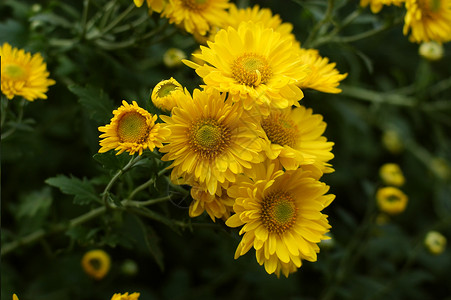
(426, 20)
(390, 198)
(252, 155)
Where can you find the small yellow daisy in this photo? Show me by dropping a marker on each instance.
(428, 20)
(165, 93)
(23, 74)
(132, 129)
(96, 263)
(281, 216)
(391, 200)
(294, 137)
(391, 174)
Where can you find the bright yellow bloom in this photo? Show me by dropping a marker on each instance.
(23, 74)
(428, 20)
(322, 75)
(435, 242)
(165, 93)
(294, 137)
(96, 263)
(196, 16)
(209, 142)
(153, 5)
(281, 214)
(132, 129)
(257, 14)
(125, 296)
(254, 65)
(15, 297)
(173, 57)
(376, 5)
(391, 174)
(217, 206)
(391, 200)
(431, 50)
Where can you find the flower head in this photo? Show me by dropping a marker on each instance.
(15, 297)
(153, 5)
(165, 93)
(132, 129)
(391, 200)
(391, 174)
(196, 16)
(217, 206)
(376, 5)
(428, 20)
(435, 242)
(23, 74)
(125, 296)
(254, 64)
(96, 263)
(281, 214)
(294, 137)
(209, 142)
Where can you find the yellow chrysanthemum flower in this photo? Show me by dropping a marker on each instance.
(257, 14)
(125, 296)
(15, 297)
(153, 5)
(165, 93)
(428, 20)
(391, 200)
(281, 214)
(294, 137)
(132, 129)
(391, 174)
(254, 65)
(435, 242)
(376, 5)
(217, 206)
(96, 263)
(196, 16)
(209, 142)
(322, 75)
(23, 74)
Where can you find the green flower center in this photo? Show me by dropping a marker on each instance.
(167, 89)
(95, 263)
(132, 128)
(251, 69)
(280, 130)
(13, 71)
(278, 212)
(208, 137)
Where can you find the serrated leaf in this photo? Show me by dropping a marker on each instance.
(110, 160)
(82, 189)
(98, 105)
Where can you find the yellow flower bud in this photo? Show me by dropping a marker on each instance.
(431, 50)
(435, 242)
(391, 174)
(391, 200)
(173, 57)
(96, 263)
(392, 142)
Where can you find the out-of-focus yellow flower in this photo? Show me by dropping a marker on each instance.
(392, 141)
(96, 263)
(435, 242)
(15, 297)
(125, 296)
(23, 74)
(391, 174)
(153, 5)
(173, 57)
(431, 50)
(441, 168)
(391, 200)
(376, 5)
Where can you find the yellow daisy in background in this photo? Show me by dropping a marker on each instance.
(217, 206)
(153, 5)
(96, 263)
(132, 129)
(15, 297)
(125, 296)
(209, 142)
(391, 174)
(428, 20)
(254, 65)
(435, 242)
(281, 214)
(196, 16)
(257, 14)
(391, 200)
(376, 5)
(164, 94)
(294, 137)
(322, 75)
(23, 74)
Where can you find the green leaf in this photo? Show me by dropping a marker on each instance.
(110, 160)
(35, 203)
(98, 105)
(153, 244)
(82, 189)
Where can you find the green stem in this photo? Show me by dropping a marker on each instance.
(18, 120)
(84, 18)
(118, 19)
(314, 32)
(140, 188)
(375, 97)
(4, 104)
